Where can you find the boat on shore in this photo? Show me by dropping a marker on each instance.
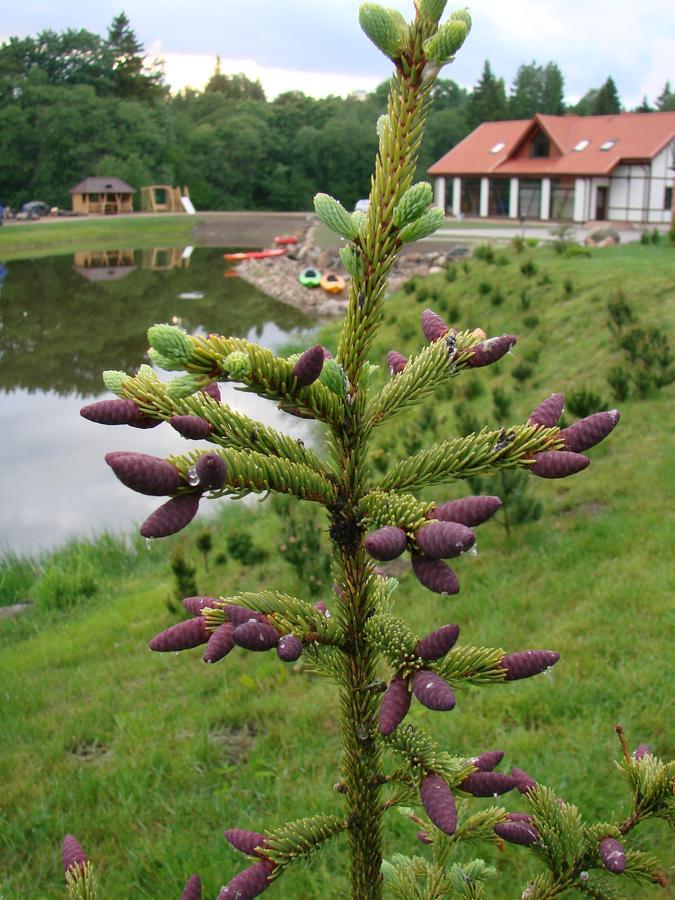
(310, 278)
(285, 240)
(332, 283)
(255, 254)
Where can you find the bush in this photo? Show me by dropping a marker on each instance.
(545, 279)
(529, 268)
(241, 547)
(466, 266)
(619, 382)
(485, 252)
(531, 321)
(645, 237)
(576, 250)
(502, 260)
(501, 402)
(655, 236)
(17, 574)
(184, 574)
(410, 286)
(584, 402)
(532, 242)
(522, 372)
(525, 301)
(518, 244)
(568, 287)
(63, 587)
(484, 288)
(497, 298)
(620, 312)
(451, 272)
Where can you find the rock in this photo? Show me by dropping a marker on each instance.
(602, 232)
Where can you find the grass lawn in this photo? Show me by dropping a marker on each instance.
(29, 240)
(148, 757)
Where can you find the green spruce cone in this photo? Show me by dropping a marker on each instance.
(413, 203)
(469, 511)
(256, 636)
(386, 543)
(488, 760)
(442, 46)
(439, 803)
(524, 782)
(114, 381)
(548, 412)
(249, 883)
(333, 377)
(488, 784)
(194, 428)
(333, 214)
(491, 350)
(352, 261)
(245, 841)
(426, 225)
(145, 474)
(435, 574)
(438, 643)
(558, 464)
(395, 705)
(237, 366)
(431, 9)
(220, 643)
(613, 855)
(527, 663)
(111, 412)
(463, 15)
(386, 28)
(171, 517)
(444, 540)
(192, 889)
(433, 691)
(171, 343)
(183, 636)
(588, 432)
(183, 386)
(517, 832)
(72, 853)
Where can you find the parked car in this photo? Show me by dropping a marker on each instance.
(36, 208)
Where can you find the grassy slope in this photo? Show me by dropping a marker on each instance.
(174, 752)
(31, 240)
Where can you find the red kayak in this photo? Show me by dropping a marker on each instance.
(283, 240)
(255, 254)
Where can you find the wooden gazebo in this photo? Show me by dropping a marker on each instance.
(102, 195)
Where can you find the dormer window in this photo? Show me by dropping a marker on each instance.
(540, 147)
(608, 144)
(498, 147)
(581, 146)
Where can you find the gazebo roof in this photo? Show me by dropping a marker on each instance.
(98, 185)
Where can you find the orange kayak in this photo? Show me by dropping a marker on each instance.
(255, 254)
(332, 282)
(283, 240)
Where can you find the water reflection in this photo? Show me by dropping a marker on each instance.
(58, 331)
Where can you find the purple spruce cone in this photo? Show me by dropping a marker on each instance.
(558, 464)
(72, 853)
(245, 841)
(487, 352)
(256, 636)
(249, 883)
(439, 803)
(613, 855)
(435, 574)
(171, 516)
(192, 427)
(240, 614)
(487, 784)
(423, 837)
(386, 543)
(146, 474)
(433, 691)
(443, 540)
(396, 361)
(488, 760)
(642, 750)
(212, 390)
(183, 636)
(111, 412)
(308, 368)
(524, 782)
(220, 643)
(289, 648)
(548, 412)
(192, 889)
(526, 663)
(433, 326)
(588, 432)
(321, 607)
(195, 605)
(469, 511)
(437, 644)
(211, 471)
(517, 832)
(144, 422)
(395, 705)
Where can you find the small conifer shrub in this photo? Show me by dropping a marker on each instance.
(386, 760)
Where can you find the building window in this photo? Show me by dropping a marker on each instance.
(498, 147)
(581, 146)
(540, 147)
(668, 198)
(608, 144)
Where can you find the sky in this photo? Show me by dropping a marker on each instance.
(319, 48)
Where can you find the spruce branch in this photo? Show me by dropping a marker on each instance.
(300, 839)
(288, 614)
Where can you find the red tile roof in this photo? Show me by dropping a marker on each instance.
(637, 136)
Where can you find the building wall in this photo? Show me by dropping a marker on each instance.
(637, 190)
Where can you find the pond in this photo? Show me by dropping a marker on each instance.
(65, 319)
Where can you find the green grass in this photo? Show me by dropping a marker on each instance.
(148, 757)
(30, 240)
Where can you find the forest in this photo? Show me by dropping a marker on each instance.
(75, 104)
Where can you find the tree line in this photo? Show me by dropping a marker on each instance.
(74, 104)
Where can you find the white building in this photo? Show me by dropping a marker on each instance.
(577, 168)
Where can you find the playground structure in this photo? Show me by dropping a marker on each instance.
(161, 198)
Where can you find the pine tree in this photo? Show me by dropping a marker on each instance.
(131, 77)
(385, 761)
(487, 102)
(665, 102)
(607, 101)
